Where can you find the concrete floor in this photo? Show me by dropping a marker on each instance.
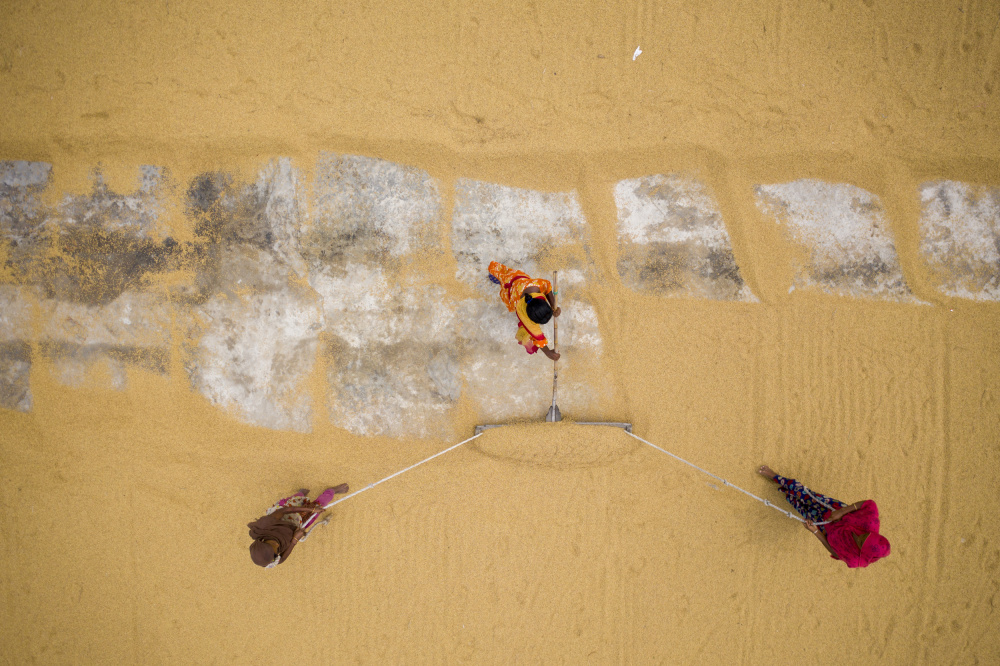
(347, 269)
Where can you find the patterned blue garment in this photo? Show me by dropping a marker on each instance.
(798, 496)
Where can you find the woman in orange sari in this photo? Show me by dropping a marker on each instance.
(532, 301)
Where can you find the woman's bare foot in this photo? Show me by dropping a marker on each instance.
(341, 489)
(766, 472)
(304, 491)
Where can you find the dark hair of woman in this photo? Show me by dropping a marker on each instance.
(538, 309)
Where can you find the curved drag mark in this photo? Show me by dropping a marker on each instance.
(556, 445)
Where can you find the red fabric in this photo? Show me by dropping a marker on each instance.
(840, 536)
(520, 324)
(515, 279)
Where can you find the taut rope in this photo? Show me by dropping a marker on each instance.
(372, 485)
(726, 483)
(661, 450)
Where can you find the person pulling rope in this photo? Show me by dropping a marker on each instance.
(849, 533)
(276, 533)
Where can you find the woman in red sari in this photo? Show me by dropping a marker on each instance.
(531, 300)
(851, 530)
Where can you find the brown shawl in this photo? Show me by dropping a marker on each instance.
(272, 527)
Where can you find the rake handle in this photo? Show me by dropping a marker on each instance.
(555, 334)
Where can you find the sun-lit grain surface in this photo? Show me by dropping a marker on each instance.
(236, 260)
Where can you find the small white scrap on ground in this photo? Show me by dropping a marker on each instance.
(638, 52)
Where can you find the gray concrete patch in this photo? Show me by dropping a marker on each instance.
(391, 360)
(97, 312)
(536, 232)
(391, 356)
(504, 381)
(256, 328)
(15, 376)
(401, 389)
(234, 221)
(368, 210)
(509, 384)
(86, 262)
(15, 312)
(15, 350)
(273, 282)
(21, 211)
(131, 331)
(400, 355)
(22, 214)
(254, 353)
(960, 237)
(22, 175)
(846, 232)
(672, 240)
(521, 228)
(107, 243)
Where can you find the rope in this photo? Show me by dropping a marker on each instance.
(372, 485)
(726, 483)
(675, 457)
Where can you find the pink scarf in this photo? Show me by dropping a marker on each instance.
(840, 536)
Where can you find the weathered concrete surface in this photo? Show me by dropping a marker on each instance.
(672, 240)
(132, 330)
(89, 259)
(390, 360)
(255, 333)
(16, 303)
(15, 351)
(399, 352)
(272, 280)
(21, 212)
(105, 243)
(392, 356)
(508, 383)
(275, 277)
(21, 215)
(536, 232)
(98, 262)
(15, 376)
(960, 237)
(255, 352)
(521, 228)
(845, 230)
(99, 312)
(367, 209)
